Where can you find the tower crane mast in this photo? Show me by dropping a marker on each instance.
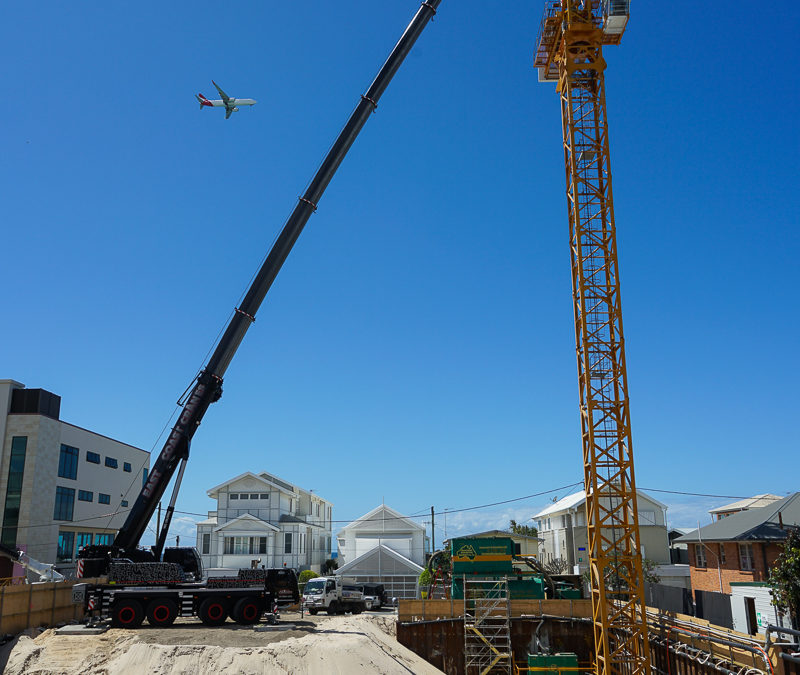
(569, 51)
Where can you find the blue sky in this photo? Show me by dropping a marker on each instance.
(418, 345)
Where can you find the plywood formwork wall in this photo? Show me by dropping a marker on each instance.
(426, 610)
(32, 605)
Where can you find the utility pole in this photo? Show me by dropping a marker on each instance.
(433, 533)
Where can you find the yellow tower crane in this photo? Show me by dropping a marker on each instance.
(569, 51)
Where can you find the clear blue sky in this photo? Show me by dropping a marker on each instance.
(418, 345)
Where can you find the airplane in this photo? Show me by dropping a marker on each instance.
(231, 105)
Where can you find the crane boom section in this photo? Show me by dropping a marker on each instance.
(208, 386)
(570, 47)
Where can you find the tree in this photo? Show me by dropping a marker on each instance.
(305, 575)
(329, 566)
(784, 577)
(527, 530)
(616, 581)
(556, 566)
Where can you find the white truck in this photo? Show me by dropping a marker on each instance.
(335, 595)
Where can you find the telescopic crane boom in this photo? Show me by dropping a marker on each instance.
(207, 388)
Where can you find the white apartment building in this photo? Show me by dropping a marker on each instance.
(61, 486)
(260, 517)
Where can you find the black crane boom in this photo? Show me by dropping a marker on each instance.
(208, 386)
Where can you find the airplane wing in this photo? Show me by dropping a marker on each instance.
(225, 98)
(228, 112)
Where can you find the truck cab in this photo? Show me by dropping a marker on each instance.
(333, 594)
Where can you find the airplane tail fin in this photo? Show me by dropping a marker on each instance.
(202, 100)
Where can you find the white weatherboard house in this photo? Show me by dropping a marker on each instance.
(386, 547)
(562, 528)
(260, 517)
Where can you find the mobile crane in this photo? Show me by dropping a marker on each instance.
(142, 582)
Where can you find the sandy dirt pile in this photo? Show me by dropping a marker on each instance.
(338, 645)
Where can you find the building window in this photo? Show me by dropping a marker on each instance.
(144, 476)
(65, 503)
(124, 503)
(16, 468)
(103, 539)
(244, 496)
(699, 556)
(126, 466)
(207, 543)
(103, 499)
(241, 545)
(111, 463)
(234, 496)
(287, 542)
(85, 496)
(84, 539)
(254, 496)
(721, 555)
(264, 495)
(66, 546)
(746, 560)
(68, 462)
(92, 457)
(317, 509)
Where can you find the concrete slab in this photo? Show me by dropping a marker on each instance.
(270, 627)
(81, 630)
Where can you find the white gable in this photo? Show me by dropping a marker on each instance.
(383, 561)
(246, 523)
(381, 519)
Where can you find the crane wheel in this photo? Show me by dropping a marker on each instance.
(127, 614)
(247, 611)
(161, 612)
(212, 612)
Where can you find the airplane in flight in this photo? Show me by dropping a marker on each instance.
(231, 105)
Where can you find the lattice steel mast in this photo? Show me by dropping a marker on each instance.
(569, 51)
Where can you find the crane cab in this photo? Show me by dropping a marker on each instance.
(615, 18)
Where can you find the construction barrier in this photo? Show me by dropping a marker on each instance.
(41, 604)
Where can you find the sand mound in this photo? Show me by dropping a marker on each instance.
(337, 646)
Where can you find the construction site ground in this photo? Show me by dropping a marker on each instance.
(318, 644)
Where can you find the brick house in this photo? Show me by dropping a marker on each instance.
(740, 547)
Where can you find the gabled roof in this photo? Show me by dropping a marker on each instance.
(750, 503)
(395, 519)
(759, 524)
(246, 517)
(382, 550)
(247, 474)
(578, 498)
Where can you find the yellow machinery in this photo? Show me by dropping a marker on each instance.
(569, 51)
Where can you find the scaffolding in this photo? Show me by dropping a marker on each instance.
(487, 626)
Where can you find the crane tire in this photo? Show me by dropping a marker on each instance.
(212, 612)
(247, 611)
(162, 612)
(127, 614)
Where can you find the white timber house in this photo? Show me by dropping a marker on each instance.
(384, 546)
(563, 533)
(265, 521)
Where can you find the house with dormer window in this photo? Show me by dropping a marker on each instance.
(261, 519)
